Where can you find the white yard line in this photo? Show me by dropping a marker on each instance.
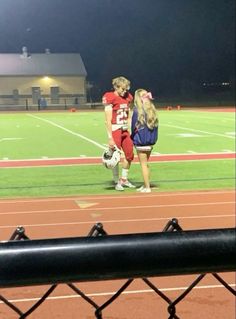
(68, 131)
(10, 139)
(221, 119)
(194, 130)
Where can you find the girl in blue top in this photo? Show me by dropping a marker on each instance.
(144, 132)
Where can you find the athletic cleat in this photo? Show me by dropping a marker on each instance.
(119, 187)
(140, 188)
(145, 190)
(126, 183)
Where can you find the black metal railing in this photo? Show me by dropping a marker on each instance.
(218, 244)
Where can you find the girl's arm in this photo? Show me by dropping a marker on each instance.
(134, 121)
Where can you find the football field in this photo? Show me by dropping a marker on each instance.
(41, 153)
(53, 183)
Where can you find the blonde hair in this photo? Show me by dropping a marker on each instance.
(121, 81)
(147, 114)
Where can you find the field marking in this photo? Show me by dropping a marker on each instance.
(70, 161)
(96, 197)
(153, 160)
(208, 118)
(117, 221)
(155, 154)
(113, 208)
(195, 130)
(183, 135)
(111, 293)
(68, 131)
(10, 139)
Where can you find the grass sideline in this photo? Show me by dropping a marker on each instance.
(80, 134)
(96, 179)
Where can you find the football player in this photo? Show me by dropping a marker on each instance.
(117, 107)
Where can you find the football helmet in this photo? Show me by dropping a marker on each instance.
(111, 157)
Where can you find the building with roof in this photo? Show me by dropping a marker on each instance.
(54, 77)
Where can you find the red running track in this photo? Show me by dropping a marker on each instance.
(132, 213)
(97, 160)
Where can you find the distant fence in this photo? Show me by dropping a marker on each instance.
(69, 102)
(101, 256)
(27, 104)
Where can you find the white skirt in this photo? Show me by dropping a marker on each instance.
(146, 148)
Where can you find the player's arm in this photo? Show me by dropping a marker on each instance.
(130, 119)
(108, 119)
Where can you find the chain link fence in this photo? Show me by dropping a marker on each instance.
(96, 231)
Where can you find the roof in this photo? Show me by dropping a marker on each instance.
(42, 64)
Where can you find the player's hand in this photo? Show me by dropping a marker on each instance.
(111, 143)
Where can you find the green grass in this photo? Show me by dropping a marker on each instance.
(95, 179)
(64, 134)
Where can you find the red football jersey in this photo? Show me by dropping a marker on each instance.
(120, 106)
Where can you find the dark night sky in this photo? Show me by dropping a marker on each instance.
(158, 44)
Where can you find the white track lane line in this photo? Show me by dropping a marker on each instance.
(111, 293)
(55, 211)
(97, 197)
(139, 220)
